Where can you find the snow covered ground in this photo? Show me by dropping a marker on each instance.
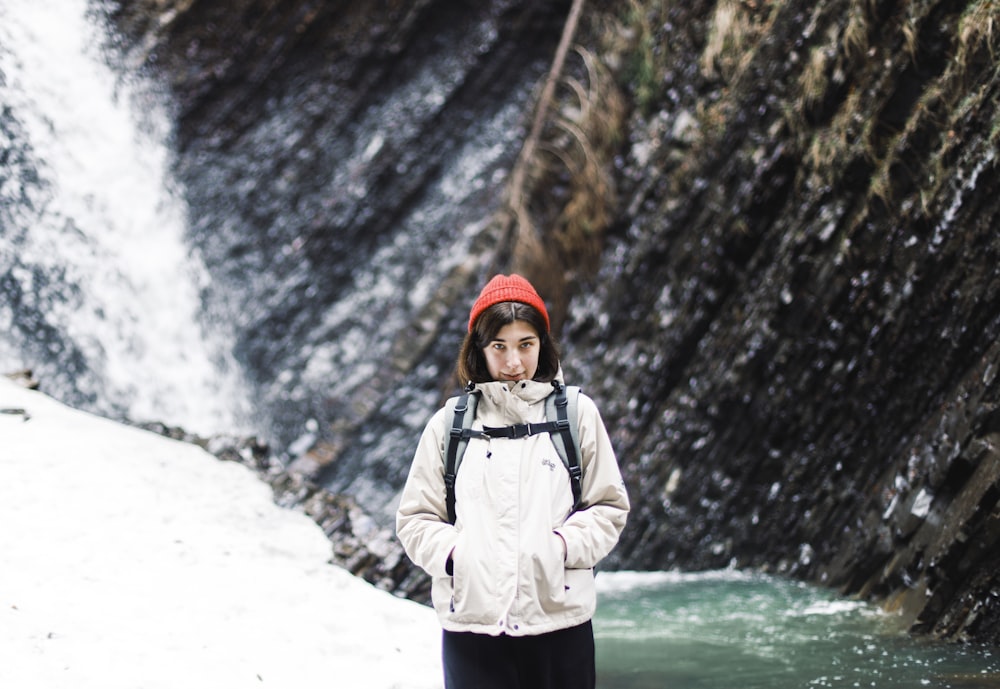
(131, 561)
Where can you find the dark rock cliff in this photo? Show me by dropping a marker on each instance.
(809, 280)
(767, 230)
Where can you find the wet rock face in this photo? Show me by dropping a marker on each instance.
(799, 343)
(793, 331)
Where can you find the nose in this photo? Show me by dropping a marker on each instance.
(513, 359)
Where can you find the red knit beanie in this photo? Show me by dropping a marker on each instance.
(507, 288)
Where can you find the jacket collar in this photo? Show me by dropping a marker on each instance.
(529, 391)
(501, 394)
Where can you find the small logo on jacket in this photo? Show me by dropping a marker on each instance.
(549, 463)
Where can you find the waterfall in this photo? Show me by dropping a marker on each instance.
(99, 293)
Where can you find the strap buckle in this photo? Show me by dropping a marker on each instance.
(520, 430)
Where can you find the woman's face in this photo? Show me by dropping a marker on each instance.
(513, 353)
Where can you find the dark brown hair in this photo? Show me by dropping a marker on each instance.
(472, 367)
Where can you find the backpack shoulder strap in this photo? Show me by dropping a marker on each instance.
(459, 415)
(562, 422)
(561, 406)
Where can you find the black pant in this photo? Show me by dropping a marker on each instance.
(563, 659)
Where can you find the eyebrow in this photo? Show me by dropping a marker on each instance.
(523, 339)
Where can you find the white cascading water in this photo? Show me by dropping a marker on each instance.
(109, 224)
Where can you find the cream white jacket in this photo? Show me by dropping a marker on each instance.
(512, 502)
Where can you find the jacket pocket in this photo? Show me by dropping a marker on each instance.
(549, 575)
(473, 587)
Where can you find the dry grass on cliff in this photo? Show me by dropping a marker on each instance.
(725, 54)
(978, 34)
(561, 198)
(933, 123)
(576, 155)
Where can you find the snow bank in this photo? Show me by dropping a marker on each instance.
(132, 561)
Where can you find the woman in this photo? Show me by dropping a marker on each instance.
(513, 580)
